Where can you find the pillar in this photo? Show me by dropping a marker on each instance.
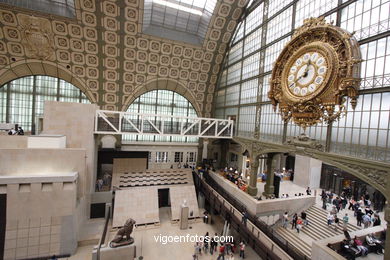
(307, 172)
(204, 150)
(387, 242)
(243, 164)
(269, 185)
(224, 152)
(252, 188)
(283, 159)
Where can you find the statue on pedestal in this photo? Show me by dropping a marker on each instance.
(122, 237)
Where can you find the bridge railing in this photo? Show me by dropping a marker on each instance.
(116, 122)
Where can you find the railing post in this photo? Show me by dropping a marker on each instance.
(120, 122)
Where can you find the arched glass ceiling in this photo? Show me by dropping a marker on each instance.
(164, 102)
(22, 100)
(57, 7)
(181, 20)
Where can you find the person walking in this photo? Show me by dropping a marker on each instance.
(196, 252)
(294, 221)
(359, 217)
(345, 221)
(285, 219)
(299, 224)
(323, 198)
(242, 250)
(221, 252)
(244, 218)
(336, 221)
(330, 219)
(366, 220)
(304, 218)
(212, 245)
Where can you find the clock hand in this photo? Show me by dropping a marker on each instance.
(307, 67)
(304, 74)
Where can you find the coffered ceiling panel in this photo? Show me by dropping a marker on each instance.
(112, 57)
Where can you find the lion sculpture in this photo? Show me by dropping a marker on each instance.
(123, 237)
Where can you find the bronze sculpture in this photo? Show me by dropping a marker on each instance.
(125, 231)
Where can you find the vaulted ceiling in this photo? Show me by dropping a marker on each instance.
(106, 49)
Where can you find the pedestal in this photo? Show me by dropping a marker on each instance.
(184, 211)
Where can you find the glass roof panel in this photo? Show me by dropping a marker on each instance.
(57, 7)
(190, 18)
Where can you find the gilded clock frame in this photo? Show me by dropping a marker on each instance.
(327, 104)
(331, 60)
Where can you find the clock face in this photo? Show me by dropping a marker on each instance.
(314, 73)
(306, 73)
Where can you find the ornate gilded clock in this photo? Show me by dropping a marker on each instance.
(314, 73)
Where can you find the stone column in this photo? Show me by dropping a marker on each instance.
(243, 164)
(252, 188)
(283, 159)
(224, 152)
(204, 150)
(387, 243)
(269, 185)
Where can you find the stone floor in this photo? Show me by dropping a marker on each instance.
(149, 249)
(152, 250)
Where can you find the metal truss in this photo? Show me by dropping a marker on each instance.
(115, 122)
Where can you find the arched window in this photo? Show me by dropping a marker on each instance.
(22, 100)
(162, 102)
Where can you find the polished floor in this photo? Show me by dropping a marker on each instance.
(152, 250)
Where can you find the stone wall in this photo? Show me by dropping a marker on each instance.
(76, 122)
(40, 215)
(265, 207)
(13, 141)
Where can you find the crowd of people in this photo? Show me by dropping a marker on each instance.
(103, 183)
(361, 209)
(235, 177)
(297, 222)
(352, 248)
(224, 250)
(18, 131)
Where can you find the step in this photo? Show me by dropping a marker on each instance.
(292, 235)
(323, 223)
(295, 241)
(316, 234)
(350, 226)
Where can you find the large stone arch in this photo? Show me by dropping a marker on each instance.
(163, 83)
(31, 67)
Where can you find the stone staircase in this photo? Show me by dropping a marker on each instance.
(291, 237)
(316, 230)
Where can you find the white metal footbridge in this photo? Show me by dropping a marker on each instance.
(116, 122)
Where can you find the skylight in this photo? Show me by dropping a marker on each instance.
(181, 20)
(178, 7)
(56, 7)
